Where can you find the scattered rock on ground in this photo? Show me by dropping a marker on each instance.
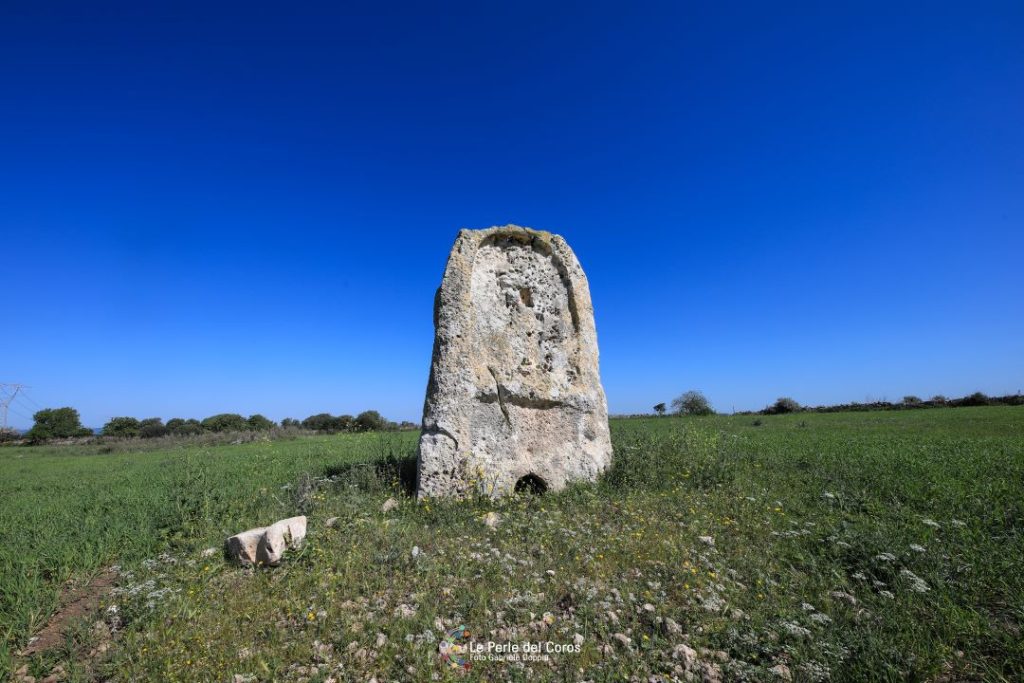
(686, 653)
(242, 547)
(711, 673)
(278, 537)
(266, 545)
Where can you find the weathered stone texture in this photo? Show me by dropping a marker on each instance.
(266, 545)
(514, 397)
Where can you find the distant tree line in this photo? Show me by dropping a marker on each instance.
(63, 423)
(367, 421)
(911, 403)
(154, 427)
(694, 402)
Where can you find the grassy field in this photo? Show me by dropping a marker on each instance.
(849, 546)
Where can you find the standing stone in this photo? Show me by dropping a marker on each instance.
(514, 399)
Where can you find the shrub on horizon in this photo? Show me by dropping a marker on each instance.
(123, 427)
(781, 406)
(975, 399)
(179, 427)
(225, 422)
(57, 423)
(321, 422)
(260, 423)
(692, 402)
(369, 420)
(152, 428)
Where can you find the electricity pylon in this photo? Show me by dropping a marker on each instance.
(5, 400)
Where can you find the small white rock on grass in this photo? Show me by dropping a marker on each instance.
(844, 597)
(278, 537)
(266, 545)
(685, 653)
(242, 546)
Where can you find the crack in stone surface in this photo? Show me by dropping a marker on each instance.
(438, 429)
(506, 398)
(498, 389)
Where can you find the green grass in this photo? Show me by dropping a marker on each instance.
(849, 546)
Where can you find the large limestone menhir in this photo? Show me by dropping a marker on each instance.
(514, 399)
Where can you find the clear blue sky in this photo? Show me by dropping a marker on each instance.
(247, 207)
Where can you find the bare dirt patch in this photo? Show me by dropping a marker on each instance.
(76, 603)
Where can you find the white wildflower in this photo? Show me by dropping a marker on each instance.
(917, 548)
(844, 596)
(932, 523)
(405, 611)
(885, 557)
(713, 603)
(795, 629)
(917, 584)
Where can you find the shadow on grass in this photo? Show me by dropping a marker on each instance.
(385, 473)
